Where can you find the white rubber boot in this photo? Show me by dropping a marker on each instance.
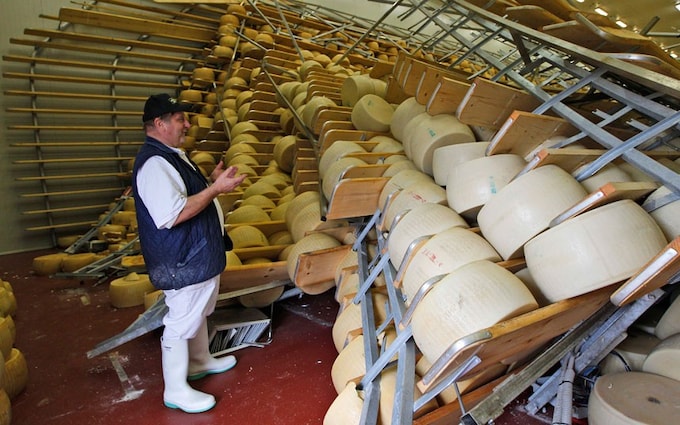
(178, 394)
(201, 361)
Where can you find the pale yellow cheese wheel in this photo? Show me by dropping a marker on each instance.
(346, 408)
(610, 173)
(7, 336)
(349, 319)
(420, 192)
(246, 236)
(284, 153)
(351, 259)
(259, 200)
(445, 158)
(129, 291)
(261, 299)
(398, 163)
(243, 159)
(403, 114)
(262, 188)
(278, 213)
(237, 149)
(400, 180)
(336, 151)
(74, 262)
(525, 207)
(308, 66)
(525, 276)
(664, 358)
(386, 144)
(15, 377)
(372, 113)
(312, 108)
(150, 298)
(49, 264)
(473, 297)
(669, 323)
(630, 354)
(634, 398)
(471, 184)
(247, 214)
(432, 132)
(298, 203)
(5, 408)
(422, 220)
(668, 216)
(592, 250)
(349, 365)
(356, 86)
(309, 220)
(232, 259)
(310, 243)
(443, 253)
(281, 238)
(190, 95)
(335, 173)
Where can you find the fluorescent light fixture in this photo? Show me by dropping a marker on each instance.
(601, 11)
(621, 24)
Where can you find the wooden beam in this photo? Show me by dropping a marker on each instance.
(212, 22)
(70, 192)
(72, 144)
(93, 65)
(73, 111)
(76, 127)
(68, 160)
(89, 96)
(62, 226)
(85, 80)
(100, 207)
(70, 176)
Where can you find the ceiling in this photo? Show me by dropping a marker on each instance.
(638, 13)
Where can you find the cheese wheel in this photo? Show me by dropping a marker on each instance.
(261, 299)
(349, 319)
(246, 236)
(349, 365)
(129, 291)
(232, 259)
(633, 398)
(312, 108)
(432, 132)
(336, 151)
(630, 354)
(445, 158)
(525, 276)
(310, 243)
(7, 336)
(247, 214)
(278, 213)
(150, 298)
(281, 238)
(422, 219)
(335, 173)
(111, 232)
(284, 153)
(386, 144)
(346, 408)
(243, 159)
(525, 207)
(473, 297)
(307, 66)
(309, 219)
(229, 19)
(443, 253)
(592, 250)
(16, 374)
(5, 408)
(222, 51)
(669, 323)
(260, 201)
(190, 95)
(610, 173)
(664, 358)
(399, 164)
(46, 265)
(372, 113)
(202, 76)
(420, 192)
(357, 86)
(403, 114)
(351, 259)
(8, 302)
(277, 179)
(471, 184)
(298, 203)
(399, 181)
(668, 216)
(75, 262)
(262, 188)
(237, 149)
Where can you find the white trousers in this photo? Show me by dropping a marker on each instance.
(188, 307)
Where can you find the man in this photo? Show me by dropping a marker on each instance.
(181, 231)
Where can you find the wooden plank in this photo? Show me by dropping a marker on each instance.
(72, 144)
(364, 171)
(431, 80)
(319, 266)
(74, 111)
(68, 95)
(381, 69)
(521, 334)
(69, 160)
(100, 207)
(136, 25)
(72, 176)
(522, 132)
(94, 65)
(125, 42)
(489, 104)
(446, 95)
(610, 192)
(247, 276)
(84, 80)
(532, 16)
(70, 192)
(75, 128)
(653, 275)
(331, 136)
(78, 224)
(173, 14)
(355, 197)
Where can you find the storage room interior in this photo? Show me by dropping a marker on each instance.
(462, 211)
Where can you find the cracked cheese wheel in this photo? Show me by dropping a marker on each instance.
(129, 291)
(372, 113)
(634, 398)
(592, 250)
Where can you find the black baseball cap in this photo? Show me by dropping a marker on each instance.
(161, 104)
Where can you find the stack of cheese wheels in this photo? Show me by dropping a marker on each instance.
(668, 215)
(595, 249)
(420, 192)
(664, 358)
(336, 151)
(405, 112)
(447, 157)
(372, 113)
(349, 318)
(630, 354)
(610, 173)
(357, 86)
(633, 398)
(310, 243)
(442, 254)
(129, 291)
(525, 207)
(399, 181)
(335, 173)
(471, 184)
(422, 220)
(425, 133)
(669, 323)
(472, 297)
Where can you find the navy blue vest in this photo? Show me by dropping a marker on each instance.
(190, 252)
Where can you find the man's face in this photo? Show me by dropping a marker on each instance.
(174, 129)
